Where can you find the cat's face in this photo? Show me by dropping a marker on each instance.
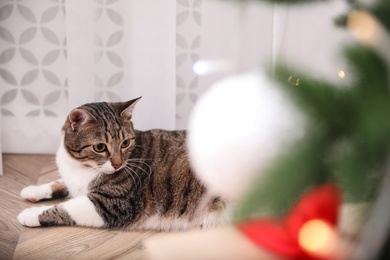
(101, 135)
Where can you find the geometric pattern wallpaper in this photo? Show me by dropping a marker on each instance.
(108, 46)
(32, 54)
(188, 42)
(106, 55)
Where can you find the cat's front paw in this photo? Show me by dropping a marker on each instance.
(30, 217)
(36, 193)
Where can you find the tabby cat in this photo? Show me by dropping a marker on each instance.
(118, 177)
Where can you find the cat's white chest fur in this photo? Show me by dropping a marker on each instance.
(75, 176)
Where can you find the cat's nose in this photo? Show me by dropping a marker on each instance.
(116, 166)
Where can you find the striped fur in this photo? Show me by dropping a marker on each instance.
(140, 180)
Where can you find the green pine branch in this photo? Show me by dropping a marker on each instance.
(321, 100)
(381, 11)
(348, 139)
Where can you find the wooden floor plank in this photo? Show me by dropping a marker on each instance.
(28, 165)
(48, 176)
(80, 243)
(18, 172)
(9, 205)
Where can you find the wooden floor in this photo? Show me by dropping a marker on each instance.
(18, 242)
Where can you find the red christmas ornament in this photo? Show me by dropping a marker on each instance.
(319, 208)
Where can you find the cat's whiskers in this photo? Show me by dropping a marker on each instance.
(92, 170)
(140, 168)
(139, 160)
(136, 174)
(104, 168)
(97, 172)
(132, 163)
(130, 172)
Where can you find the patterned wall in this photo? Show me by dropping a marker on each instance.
(99, 40)
(109, 46)
(188, 41)
(32, 59)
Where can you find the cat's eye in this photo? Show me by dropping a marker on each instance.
(99, 148)
(125, 143)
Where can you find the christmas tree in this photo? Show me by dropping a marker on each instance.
(349, 138)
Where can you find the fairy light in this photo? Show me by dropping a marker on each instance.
(341, 74)
(201, 67)
(294, 81)
(205, 67)
(317, 237)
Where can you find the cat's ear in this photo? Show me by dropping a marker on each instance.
(79, 117)
(128, 107)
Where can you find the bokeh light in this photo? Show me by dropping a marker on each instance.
(317, 237)
(205, 67)
(363, 26)
(201, 67)
(341, 74)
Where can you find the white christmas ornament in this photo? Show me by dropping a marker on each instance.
(237, 128)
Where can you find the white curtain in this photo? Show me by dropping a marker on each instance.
(57, 55)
